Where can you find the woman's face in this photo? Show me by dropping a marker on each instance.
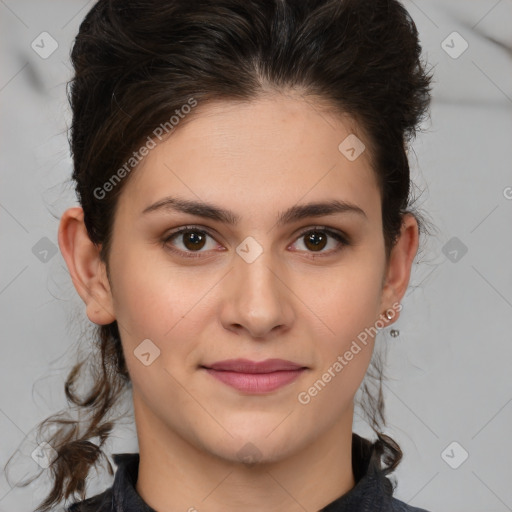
(260, 287)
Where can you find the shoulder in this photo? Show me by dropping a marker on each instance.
(400, 506)
(99, 503)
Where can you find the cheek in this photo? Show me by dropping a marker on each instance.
(348, 307)
(150, 294)
(346, 299)
(347, 302)
(162, 302)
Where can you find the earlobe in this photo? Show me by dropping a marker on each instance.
(87, 271)
(399, 267)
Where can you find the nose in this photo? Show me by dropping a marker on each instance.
(257, 298)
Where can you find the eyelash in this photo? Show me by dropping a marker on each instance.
(197, 254)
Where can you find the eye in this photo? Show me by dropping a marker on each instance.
(316, 239)
(194, 239)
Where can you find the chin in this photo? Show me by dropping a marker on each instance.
(252, 453)
(254, 446)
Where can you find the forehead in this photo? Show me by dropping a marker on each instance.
(274, 149)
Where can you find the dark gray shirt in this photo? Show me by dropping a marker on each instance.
(372, 492)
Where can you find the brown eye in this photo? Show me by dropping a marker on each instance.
(193, 240)
(315, 240)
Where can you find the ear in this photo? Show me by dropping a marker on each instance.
(398, 271)
(87, 271)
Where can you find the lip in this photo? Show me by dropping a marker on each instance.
(255, 376)
(248, 366)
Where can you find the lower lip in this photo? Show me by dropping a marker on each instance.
(256, 382)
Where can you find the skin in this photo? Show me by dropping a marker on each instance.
(256, 159)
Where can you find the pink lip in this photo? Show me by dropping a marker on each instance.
(254, 376)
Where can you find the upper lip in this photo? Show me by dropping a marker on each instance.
(248, 366)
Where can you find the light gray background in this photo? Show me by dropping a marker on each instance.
(450, 367)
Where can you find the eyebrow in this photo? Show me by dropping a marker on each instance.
(292, 214)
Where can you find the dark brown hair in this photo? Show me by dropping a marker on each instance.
(137, 62)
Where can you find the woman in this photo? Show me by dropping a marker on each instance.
(245, 230)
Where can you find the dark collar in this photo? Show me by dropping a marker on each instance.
(372, 492)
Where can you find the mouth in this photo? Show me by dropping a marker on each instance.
(255, 377)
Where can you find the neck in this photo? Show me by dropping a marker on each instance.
(176, 475)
